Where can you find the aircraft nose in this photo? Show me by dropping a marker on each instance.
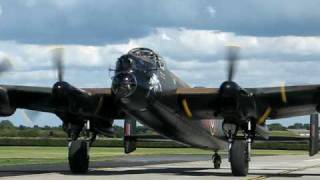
(124, 84)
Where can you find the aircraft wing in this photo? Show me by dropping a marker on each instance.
(287, 101)
(198, 103)
(32, 98)
(272, 102)
(87, 103)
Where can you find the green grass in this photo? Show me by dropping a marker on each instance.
(17, 155)
(284, 133)
(278, 152)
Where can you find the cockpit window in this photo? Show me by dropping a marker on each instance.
(161, 64)
(124, 63)
(152, 59)
(145, 54)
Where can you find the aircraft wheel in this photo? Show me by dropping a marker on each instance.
(216, 159)
(239, 158)
(79, 156)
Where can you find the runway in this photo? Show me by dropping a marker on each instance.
(175, 167)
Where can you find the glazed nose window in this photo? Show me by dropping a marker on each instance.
(124, 84)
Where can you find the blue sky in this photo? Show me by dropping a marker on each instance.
(279, 39)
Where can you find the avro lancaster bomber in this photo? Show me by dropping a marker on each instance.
(145, 90)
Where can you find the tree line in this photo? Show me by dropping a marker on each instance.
(8, 129)
(280, 127)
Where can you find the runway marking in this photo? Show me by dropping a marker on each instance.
(311, 160)
(284, 172)
(258, 178)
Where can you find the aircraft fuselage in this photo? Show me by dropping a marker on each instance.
(139, 85)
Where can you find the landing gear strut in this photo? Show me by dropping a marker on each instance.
(78, 155)
(240, 148)
(216, 159)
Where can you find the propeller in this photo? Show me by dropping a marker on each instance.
(234, 101)
(230, 88)
(57, 55)
(29, 117)
(232, 57)
(58, 60)
(5, 65)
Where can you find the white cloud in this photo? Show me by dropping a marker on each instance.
(211, 11)
(99, 22)
(39, 75)
(64, 4)
(30, 3)
(201, 44)
(266, 60)
(165, 36)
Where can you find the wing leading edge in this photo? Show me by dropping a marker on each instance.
(98, 103)
(272, 102)
(279, 102)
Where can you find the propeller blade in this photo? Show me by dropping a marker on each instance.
(232, 56)
(58, 60)
(32, 114)
(5, 65)
(27, 118)
(30, 117)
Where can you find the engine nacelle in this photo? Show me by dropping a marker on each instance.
(67, 95)
(236, 105)
(5, 108)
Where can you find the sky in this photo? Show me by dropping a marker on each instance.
(279, 41)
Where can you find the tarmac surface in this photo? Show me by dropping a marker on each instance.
(174, 167)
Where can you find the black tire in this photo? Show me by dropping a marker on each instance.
(217, 165)
(216, 159)
(239, 158)
(79, 157)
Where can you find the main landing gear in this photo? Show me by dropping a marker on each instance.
(239, 147)
(239, 158)
(78, 155)
(216, 160)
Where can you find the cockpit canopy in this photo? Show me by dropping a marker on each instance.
(145, 54)
(140, 59)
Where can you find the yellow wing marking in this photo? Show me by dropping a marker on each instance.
(283, 93)
(186, 108)
(264, 117)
